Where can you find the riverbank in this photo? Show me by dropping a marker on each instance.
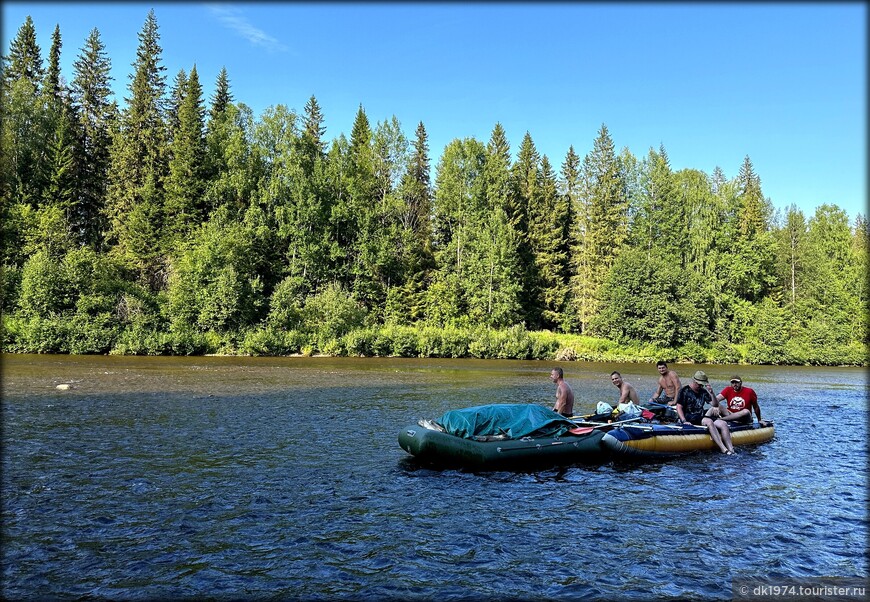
(78, 338)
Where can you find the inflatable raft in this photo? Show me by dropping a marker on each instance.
(663, 440)
(502, 436)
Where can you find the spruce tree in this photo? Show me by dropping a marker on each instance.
(569, 188)
(416, 195)
(753, 212)
(176, 98)
(313, 128)
(185, 183)
(95, 112)
(525, 184)
(218, 128)
(138, 164)
(221, 97)
(358, 214)
(23, 124)
(605, 212)
(549, 241)
(52, 83)
(58, 122)
(24, 60)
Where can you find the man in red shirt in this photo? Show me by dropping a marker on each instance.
(741, 402)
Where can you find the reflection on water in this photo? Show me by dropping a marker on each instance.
(282, 477)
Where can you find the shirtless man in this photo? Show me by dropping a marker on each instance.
(564, 395)
(626, 391)
(669, 383)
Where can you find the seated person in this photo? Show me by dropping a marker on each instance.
(669, 384)
(741, 401)
(627, 393)
(690, 408)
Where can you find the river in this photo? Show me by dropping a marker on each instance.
(281, 478)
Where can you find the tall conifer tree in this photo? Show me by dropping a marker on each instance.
(23, 127)
(606, 222)
(24, 60)
(90, 95)
(138, 165)
(185, 184)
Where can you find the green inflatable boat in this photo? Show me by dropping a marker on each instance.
(502, 437)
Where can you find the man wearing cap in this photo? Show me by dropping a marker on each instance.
(741, 401)
(691, 399)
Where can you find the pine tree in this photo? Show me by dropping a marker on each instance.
(90, 95)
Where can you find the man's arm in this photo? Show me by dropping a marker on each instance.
(676, 380)
(714, 398)
(754, 406)
(678, 406)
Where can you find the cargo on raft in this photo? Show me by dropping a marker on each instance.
(518, 436)
(502, 436)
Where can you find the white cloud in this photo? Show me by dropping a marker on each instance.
(233, 19)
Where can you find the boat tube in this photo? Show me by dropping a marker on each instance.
(502, 436)
(663, 440)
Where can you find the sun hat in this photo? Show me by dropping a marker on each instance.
(701, 378)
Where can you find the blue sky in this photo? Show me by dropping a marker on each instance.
(785, 84)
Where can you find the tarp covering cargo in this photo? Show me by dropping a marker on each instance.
(513, 420)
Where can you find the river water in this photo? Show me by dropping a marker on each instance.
(281, 478)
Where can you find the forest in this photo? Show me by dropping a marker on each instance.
(171, 223)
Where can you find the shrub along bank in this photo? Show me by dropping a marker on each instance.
(100, 336)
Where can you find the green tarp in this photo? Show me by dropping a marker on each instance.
(513, 420)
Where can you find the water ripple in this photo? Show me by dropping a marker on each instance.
(231, 477)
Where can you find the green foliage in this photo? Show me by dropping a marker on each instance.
(332, 313)
(152, 229)
(45, 288)
(646, 298)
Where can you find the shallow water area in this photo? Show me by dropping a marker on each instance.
(282, 478)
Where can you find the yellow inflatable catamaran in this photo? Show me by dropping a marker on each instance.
(662, 440)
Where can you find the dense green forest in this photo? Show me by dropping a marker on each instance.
(176, 224)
